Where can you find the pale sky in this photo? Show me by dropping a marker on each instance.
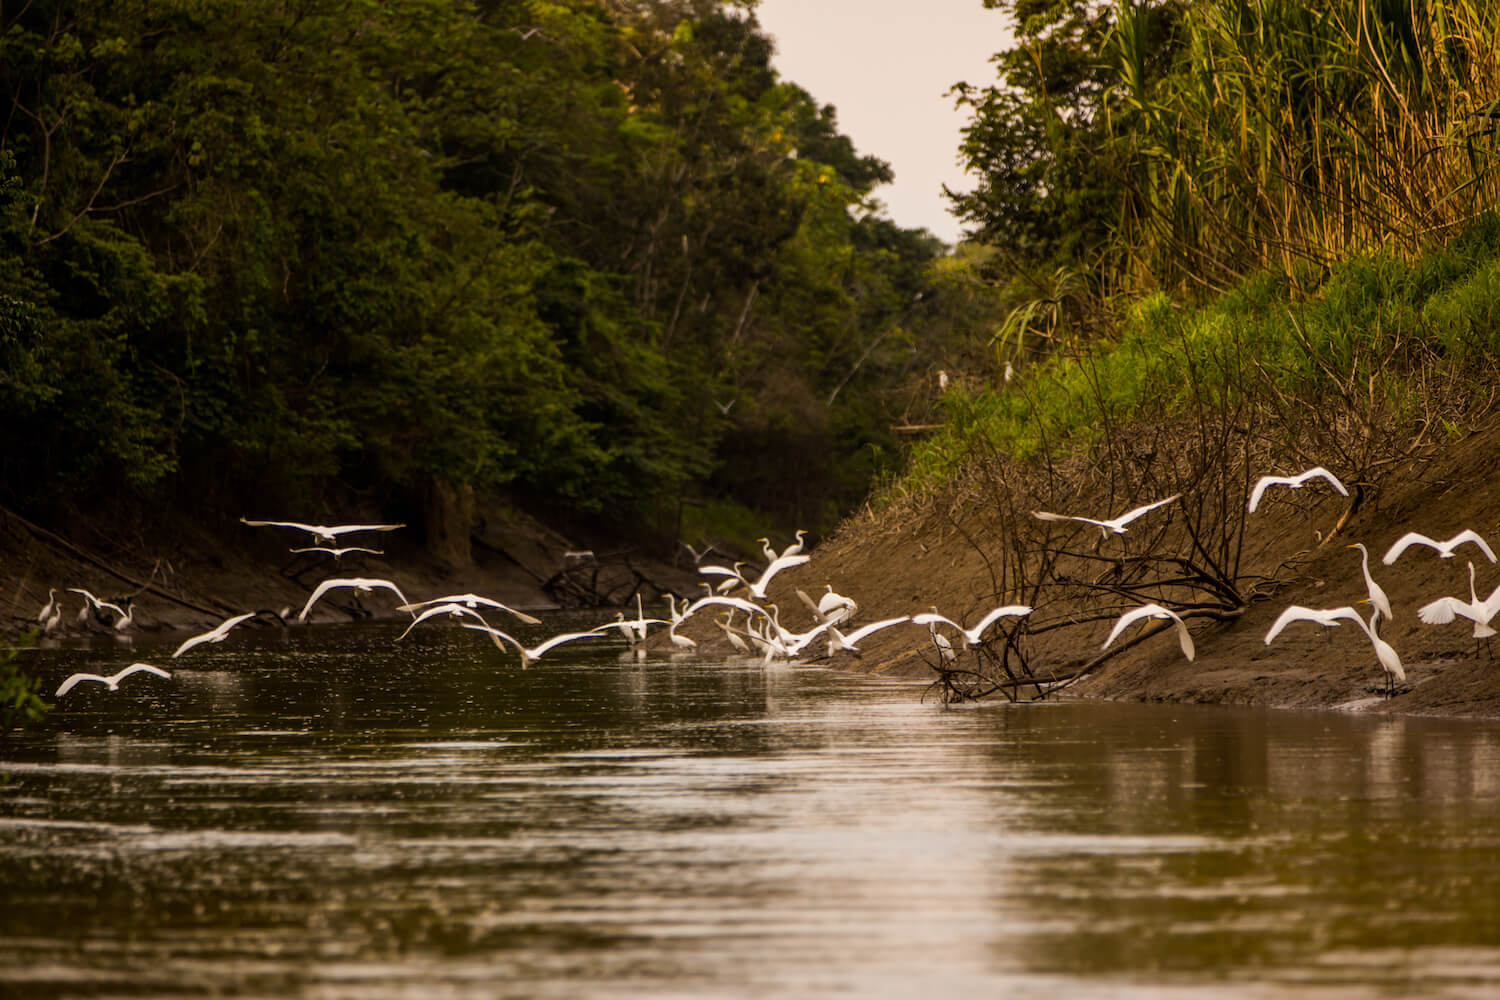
(885, 66)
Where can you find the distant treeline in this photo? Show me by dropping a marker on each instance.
(592, 252)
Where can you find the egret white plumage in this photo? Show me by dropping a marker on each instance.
(472, 601)
(1295, 482)
(1116, 525)
(1330, 617)
(1156, 611)
(796, 547)
(1444, 548)
(532, 654)
(452, 609)
(1326, 617)
(839, 642)
(215, 634)
(322, 532)
(832, 608)
(1481, 613)
(1377, 594)
(113, 681)
(338, 553)
(359, 584)
(758, 588)
(725, 622)
(1385, 653)
(974, 636)
(946, 653)
(95, 604)
(49, 607)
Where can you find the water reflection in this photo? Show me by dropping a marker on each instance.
(320, 813)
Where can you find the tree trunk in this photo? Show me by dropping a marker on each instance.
(450, 520)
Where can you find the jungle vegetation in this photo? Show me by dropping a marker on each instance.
(1281, 210)
(593, 254)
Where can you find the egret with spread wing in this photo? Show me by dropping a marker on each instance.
(1444, 549)
(322, 532)
(215, 634)
(974, 636)
(359, 584)
(1117, 525)
(1184, 639)
(1295, 482)
(112, 682)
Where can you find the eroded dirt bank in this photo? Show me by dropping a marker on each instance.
(944, 552)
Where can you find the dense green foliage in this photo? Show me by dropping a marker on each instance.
(20, 701)
(542, 246)
(1277, 209)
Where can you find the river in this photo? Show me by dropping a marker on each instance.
(325, 813)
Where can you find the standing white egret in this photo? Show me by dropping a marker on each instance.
(1481, 613)
(1330, 617)
(215, 634)
(1444, 549)
(1184, 638)
(974, 636)
(111, 682)
(359, 584)
(1377, 594)
(48, 608)
(945, 648)
(724, 622)
(1385, 653)
(1295, 482)
(1116, 525)
(796, 547)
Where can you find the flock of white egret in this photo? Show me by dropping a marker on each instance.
(731, 591)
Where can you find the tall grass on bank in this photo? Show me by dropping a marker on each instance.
(1286, 133)
(1385, 346)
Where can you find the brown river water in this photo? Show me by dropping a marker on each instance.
(325, 813)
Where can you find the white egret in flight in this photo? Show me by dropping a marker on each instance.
(452, 608)
(1295, 482)
(112, 682)
(974, 636)
(1184, 639)
(1117, 525)
(96, 604)
(758, 588)
(215, 634)
(359, 584)
(838, 641)
(339, 553)
(534, 653)
(1327, 617)
(322, 532)
(1444, 549)
(472, 601)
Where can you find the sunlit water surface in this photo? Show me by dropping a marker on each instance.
(322, 813)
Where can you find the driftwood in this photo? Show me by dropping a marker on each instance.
(141, 586)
